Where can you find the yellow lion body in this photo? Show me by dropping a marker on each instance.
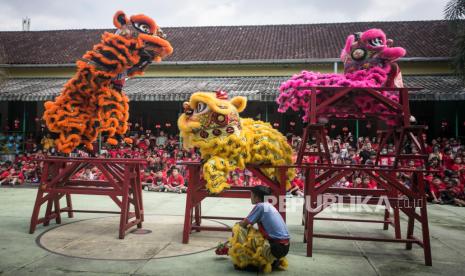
(249, 247)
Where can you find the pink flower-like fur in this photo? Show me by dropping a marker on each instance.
(295, 92)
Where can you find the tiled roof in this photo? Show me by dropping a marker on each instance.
(179, 88)
(425, 39)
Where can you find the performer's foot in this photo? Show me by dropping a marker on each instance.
(275, 265)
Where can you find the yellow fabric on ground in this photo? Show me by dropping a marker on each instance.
(249, 247)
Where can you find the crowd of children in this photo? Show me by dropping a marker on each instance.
(445, 180)
(445, 183)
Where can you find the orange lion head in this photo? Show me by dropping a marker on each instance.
(151, 39)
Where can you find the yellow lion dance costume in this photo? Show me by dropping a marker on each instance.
(211, 122)
(92, 102)
(248, 247)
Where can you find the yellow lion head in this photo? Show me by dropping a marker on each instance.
(210, 115)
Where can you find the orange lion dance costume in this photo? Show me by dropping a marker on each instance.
(92, 102)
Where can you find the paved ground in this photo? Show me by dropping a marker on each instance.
(88, 239)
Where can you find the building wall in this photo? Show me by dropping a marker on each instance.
(216, 70)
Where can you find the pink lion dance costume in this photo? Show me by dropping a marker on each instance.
(369, 61)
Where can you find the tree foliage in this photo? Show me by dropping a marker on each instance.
(454, 11)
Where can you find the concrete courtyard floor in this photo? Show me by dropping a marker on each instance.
(88, 244)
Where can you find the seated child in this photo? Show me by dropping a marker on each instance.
(254, 181)
(297, 186)
(175, 182)
(457, 191)
(87, 174)
(12, 177)
(29, 170)
(357, 182)
(447, 196)
(436, 187)
(458, 167)
(236, 180)
(343, 183)
(146, 179)
(368, 183)
(266, 248)
(159, 182)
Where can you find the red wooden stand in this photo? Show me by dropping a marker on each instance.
(121, 184)
(400, 198)
(392, 193)
(400, 136)
(197, 192)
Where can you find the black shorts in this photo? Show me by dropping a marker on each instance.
(278, 249)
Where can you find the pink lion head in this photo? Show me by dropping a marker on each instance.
(369, 49)
(374, 39)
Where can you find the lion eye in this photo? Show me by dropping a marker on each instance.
(201, 107)
(142, 27)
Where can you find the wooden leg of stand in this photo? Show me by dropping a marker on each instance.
(386, 218)
(35, 211)
(309, 233)
(304, 214)
(141, 202)
(425, 234)
(69, 204)
(56, 204)
(397, 231)
(310, 205)
(187, 221)
(410, 228)
(48, 211)
(136, 202)
(124, 211)
(197, 215)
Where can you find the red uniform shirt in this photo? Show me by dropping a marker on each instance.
(143, 145)
(146, 177)
(254, 182)
(238, 182)
(298, 182)
(4, 174)
(176, 180)
(457, 168)
(159, 180)
(448, 162)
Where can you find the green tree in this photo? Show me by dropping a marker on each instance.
(455, 13)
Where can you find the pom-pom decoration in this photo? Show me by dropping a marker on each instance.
(93, 102)
(222, 249)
